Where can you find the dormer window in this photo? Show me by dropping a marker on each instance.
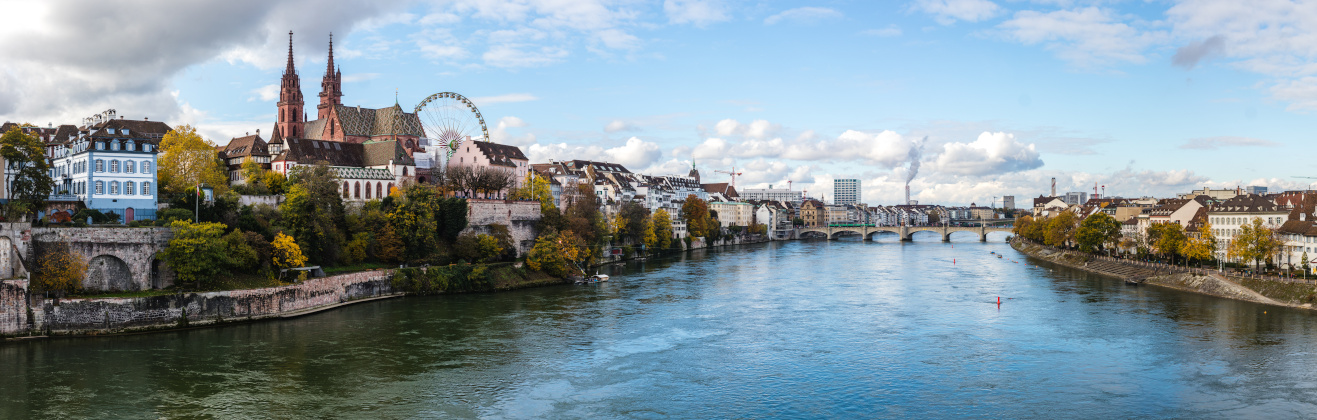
(100, 145)
(131, 145)
(124, 131)
(111, 130)
(114, 145)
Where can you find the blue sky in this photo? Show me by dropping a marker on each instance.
(1145, 97)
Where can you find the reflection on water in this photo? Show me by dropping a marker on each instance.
(803, 329)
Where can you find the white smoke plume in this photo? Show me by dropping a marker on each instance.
(916, 152)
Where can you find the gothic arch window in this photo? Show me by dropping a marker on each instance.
(356, 191)
(346, 190)
(390, 188)
(379, 192)
(331, 130)
(367, 190)
(404, 171)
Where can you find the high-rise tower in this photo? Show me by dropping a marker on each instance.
(290, 99)
(331, 86)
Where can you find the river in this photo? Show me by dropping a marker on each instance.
(812, 329)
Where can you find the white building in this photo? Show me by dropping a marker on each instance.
(1228, 216)
(111, 165)
(846, 191)
(772, 194)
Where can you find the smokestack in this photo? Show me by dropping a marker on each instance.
(907, 194)
(1053, 187)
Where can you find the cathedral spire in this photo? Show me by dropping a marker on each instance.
(329, 69)
(290, 69)
(331, 86)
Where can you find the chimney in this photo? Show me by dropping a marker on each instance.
(1053, 187)
(907, 194)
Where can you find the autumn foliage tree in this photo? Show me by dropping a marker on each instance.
(59, 270)
(26, 169)
(699, 222)
(186, 160)
(286, 253)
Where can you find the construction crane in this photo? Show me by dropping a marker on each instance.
(733, 173)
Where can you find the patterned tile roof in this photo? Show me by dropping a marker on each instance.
(358, 121)
(308, 152)
(344, 172)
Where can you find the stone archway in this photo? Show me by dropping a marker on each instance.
(109, 273)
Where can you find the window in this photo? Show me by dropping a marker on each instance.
(367, 190)
(146, 188)
(125, 132)
(129, 167)
(111, 131)
(114, 187)
(404, 171)
(146, 167)
(128, 188)
(114, 145)
(100, 165)
(132, 146)
(100, 187)
(379, 192)
(114, 165)
(356, 192)
(346, 190)
(100, 145)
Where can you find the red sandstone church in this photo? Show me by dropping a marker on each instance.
(370, 150)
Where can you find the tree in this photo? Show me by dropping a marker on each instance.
(254, 175)
(197, 252)
(630, 222)
(287, 254)
(29, 183)
(662, 228)
(650, 238)
(415, 221)
(696, 214)
(1169, 240)
(59, 270)
(1097, 231)
(313, 213)
(274, 182)
(187, 160)
(536, 187)
(388, 247)
(1306, 267)
(557, 254)
(1061, 229)
(1201, 247)
(1254, 242)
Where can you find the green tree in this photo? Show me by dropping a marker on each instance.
(1255, 243)
(1306, 267)
(29, 183)
(557, 254)
(1097, 232)
(254, 175)
(313, 213)
(1201, 247)
(662, 228)
(274, 182)
(415, 219)
(197, 253)
(186, 160)
(1167, 239)
(631, 218)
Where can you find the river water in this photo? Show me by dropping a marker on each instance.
(816, 329)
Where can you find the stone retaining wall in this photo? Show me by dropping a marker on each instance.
(107, 315)
(13, 307)
(519, 216)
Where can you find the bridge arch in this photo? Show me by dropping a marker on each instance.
(813, 234)
(837, 233)
(109, 273)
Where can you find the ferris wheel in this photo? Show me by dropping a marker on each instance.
(449, 119)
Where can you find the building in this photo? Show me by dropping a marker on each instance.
(1218, 195)
(1008, 202)
(1048, 206)
(772, 194)
(239, 150)
(846, 191)
(1076, 198)
(1252, 189)
(733, 213)
(111, 165)
(483, 154)
(812, 213)
(1228, 216)
(367, 171)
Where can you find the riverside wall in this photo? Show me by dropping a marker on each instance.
(116, 315)
(519, 216)
(1290, 294)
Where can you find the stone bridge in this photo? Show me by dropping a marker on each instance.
(833, 232)
(118, 259)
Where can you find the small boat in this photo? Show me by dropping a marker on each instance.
(998, 256)
(598, 278)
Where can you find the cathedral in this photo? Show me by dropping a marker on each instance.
(370, 150)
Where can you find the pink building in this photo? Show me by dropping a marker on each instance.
(492, 155)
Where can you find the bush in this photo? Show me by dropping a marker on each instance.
(96, 216)
(446, 279)
(169, 215)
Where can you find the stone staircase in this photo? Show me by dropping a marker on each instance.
(1125, 271)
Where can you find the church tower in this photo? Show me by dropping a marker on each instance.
(331, 87)
(290, 99)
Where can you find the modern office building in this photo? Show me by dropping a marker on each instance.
(772, 194)
(1008, 202)
(846, 191)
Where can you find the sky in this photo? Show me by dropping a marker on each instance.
(985, 98)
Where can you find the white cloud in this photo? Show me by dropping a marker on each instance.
(1088, 37)
(266, 93)
(636, 153)
(947, 12)
(695, 12)
(618, 125)
(502, 134)
(506, 98)
(991, 153)
(885, 148)
(618, 39)
(523, 56)
(803, 15)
